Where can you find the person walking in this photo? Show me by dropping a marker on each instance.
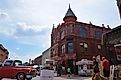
(95, 68)
(106, 67)
(59, 68)
(69, 72)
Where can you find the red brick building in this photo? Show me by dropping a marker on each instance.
(72, 41)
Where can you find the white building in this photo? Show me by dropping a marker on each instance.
(46, 55)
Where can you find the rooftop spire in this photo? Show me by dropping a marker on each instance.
(70, 13)
(69, 6)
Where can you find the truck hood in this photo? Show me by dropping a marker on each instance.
(26, 67)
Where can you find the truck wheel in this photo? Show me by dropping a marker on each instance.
(20, 76)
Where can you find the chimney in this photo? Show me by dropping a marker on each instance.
(90, 22)
(108, 26)
(103, 25)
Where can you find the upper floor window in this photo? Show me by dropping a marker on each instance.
(83, 46)
(63, 48)
(68, 28)
(62, 34)
(72, 27)
(53, 40)
(53, 50)
(77, 28)
(83, 32)
(98, 34)
(70, 47)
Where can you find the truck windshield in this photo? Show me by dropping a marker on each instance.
(8, 63)
(17, 63)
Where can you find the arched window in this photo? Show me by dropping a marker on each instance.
(62, 34)
(83, 32)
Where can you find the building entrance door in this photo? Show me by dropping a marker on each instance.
(70, 65)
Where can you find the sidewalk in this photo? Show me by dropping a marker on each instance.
(64, 77)
(73, 77)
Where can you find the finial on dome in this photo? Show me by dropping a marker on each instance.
(69, 6)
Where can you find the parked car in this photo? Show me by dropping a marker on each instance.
(15, 69)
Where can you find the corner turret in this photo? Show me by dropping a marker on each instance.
(70, 16)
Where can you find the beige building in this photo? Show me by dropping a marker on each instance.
(3, 53)
(46, 55)
(38, 60)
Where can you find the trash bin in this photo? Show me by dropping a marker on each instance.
(46, 74)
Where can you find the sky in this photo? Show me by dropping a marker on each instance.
(26, 25)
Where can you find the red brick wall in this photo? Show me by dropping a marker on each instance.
(90, 39)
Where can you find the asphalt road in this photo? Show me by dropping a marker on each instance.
(59, 78)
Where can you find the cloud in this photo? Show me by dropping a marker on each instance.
(7, 31)
(3, 15)
(25, 27)
(32, 34)
(28, 34)
(23, 58)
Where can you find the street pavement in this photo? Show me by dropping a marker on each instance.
(66, 78)
(61, 78)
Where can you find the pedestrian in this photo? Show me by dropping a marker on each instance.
(95, 68)
(59, 68)
(106, 67)
(69, 71)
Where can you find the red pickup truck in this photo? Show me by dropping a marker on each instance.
(15, 69)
